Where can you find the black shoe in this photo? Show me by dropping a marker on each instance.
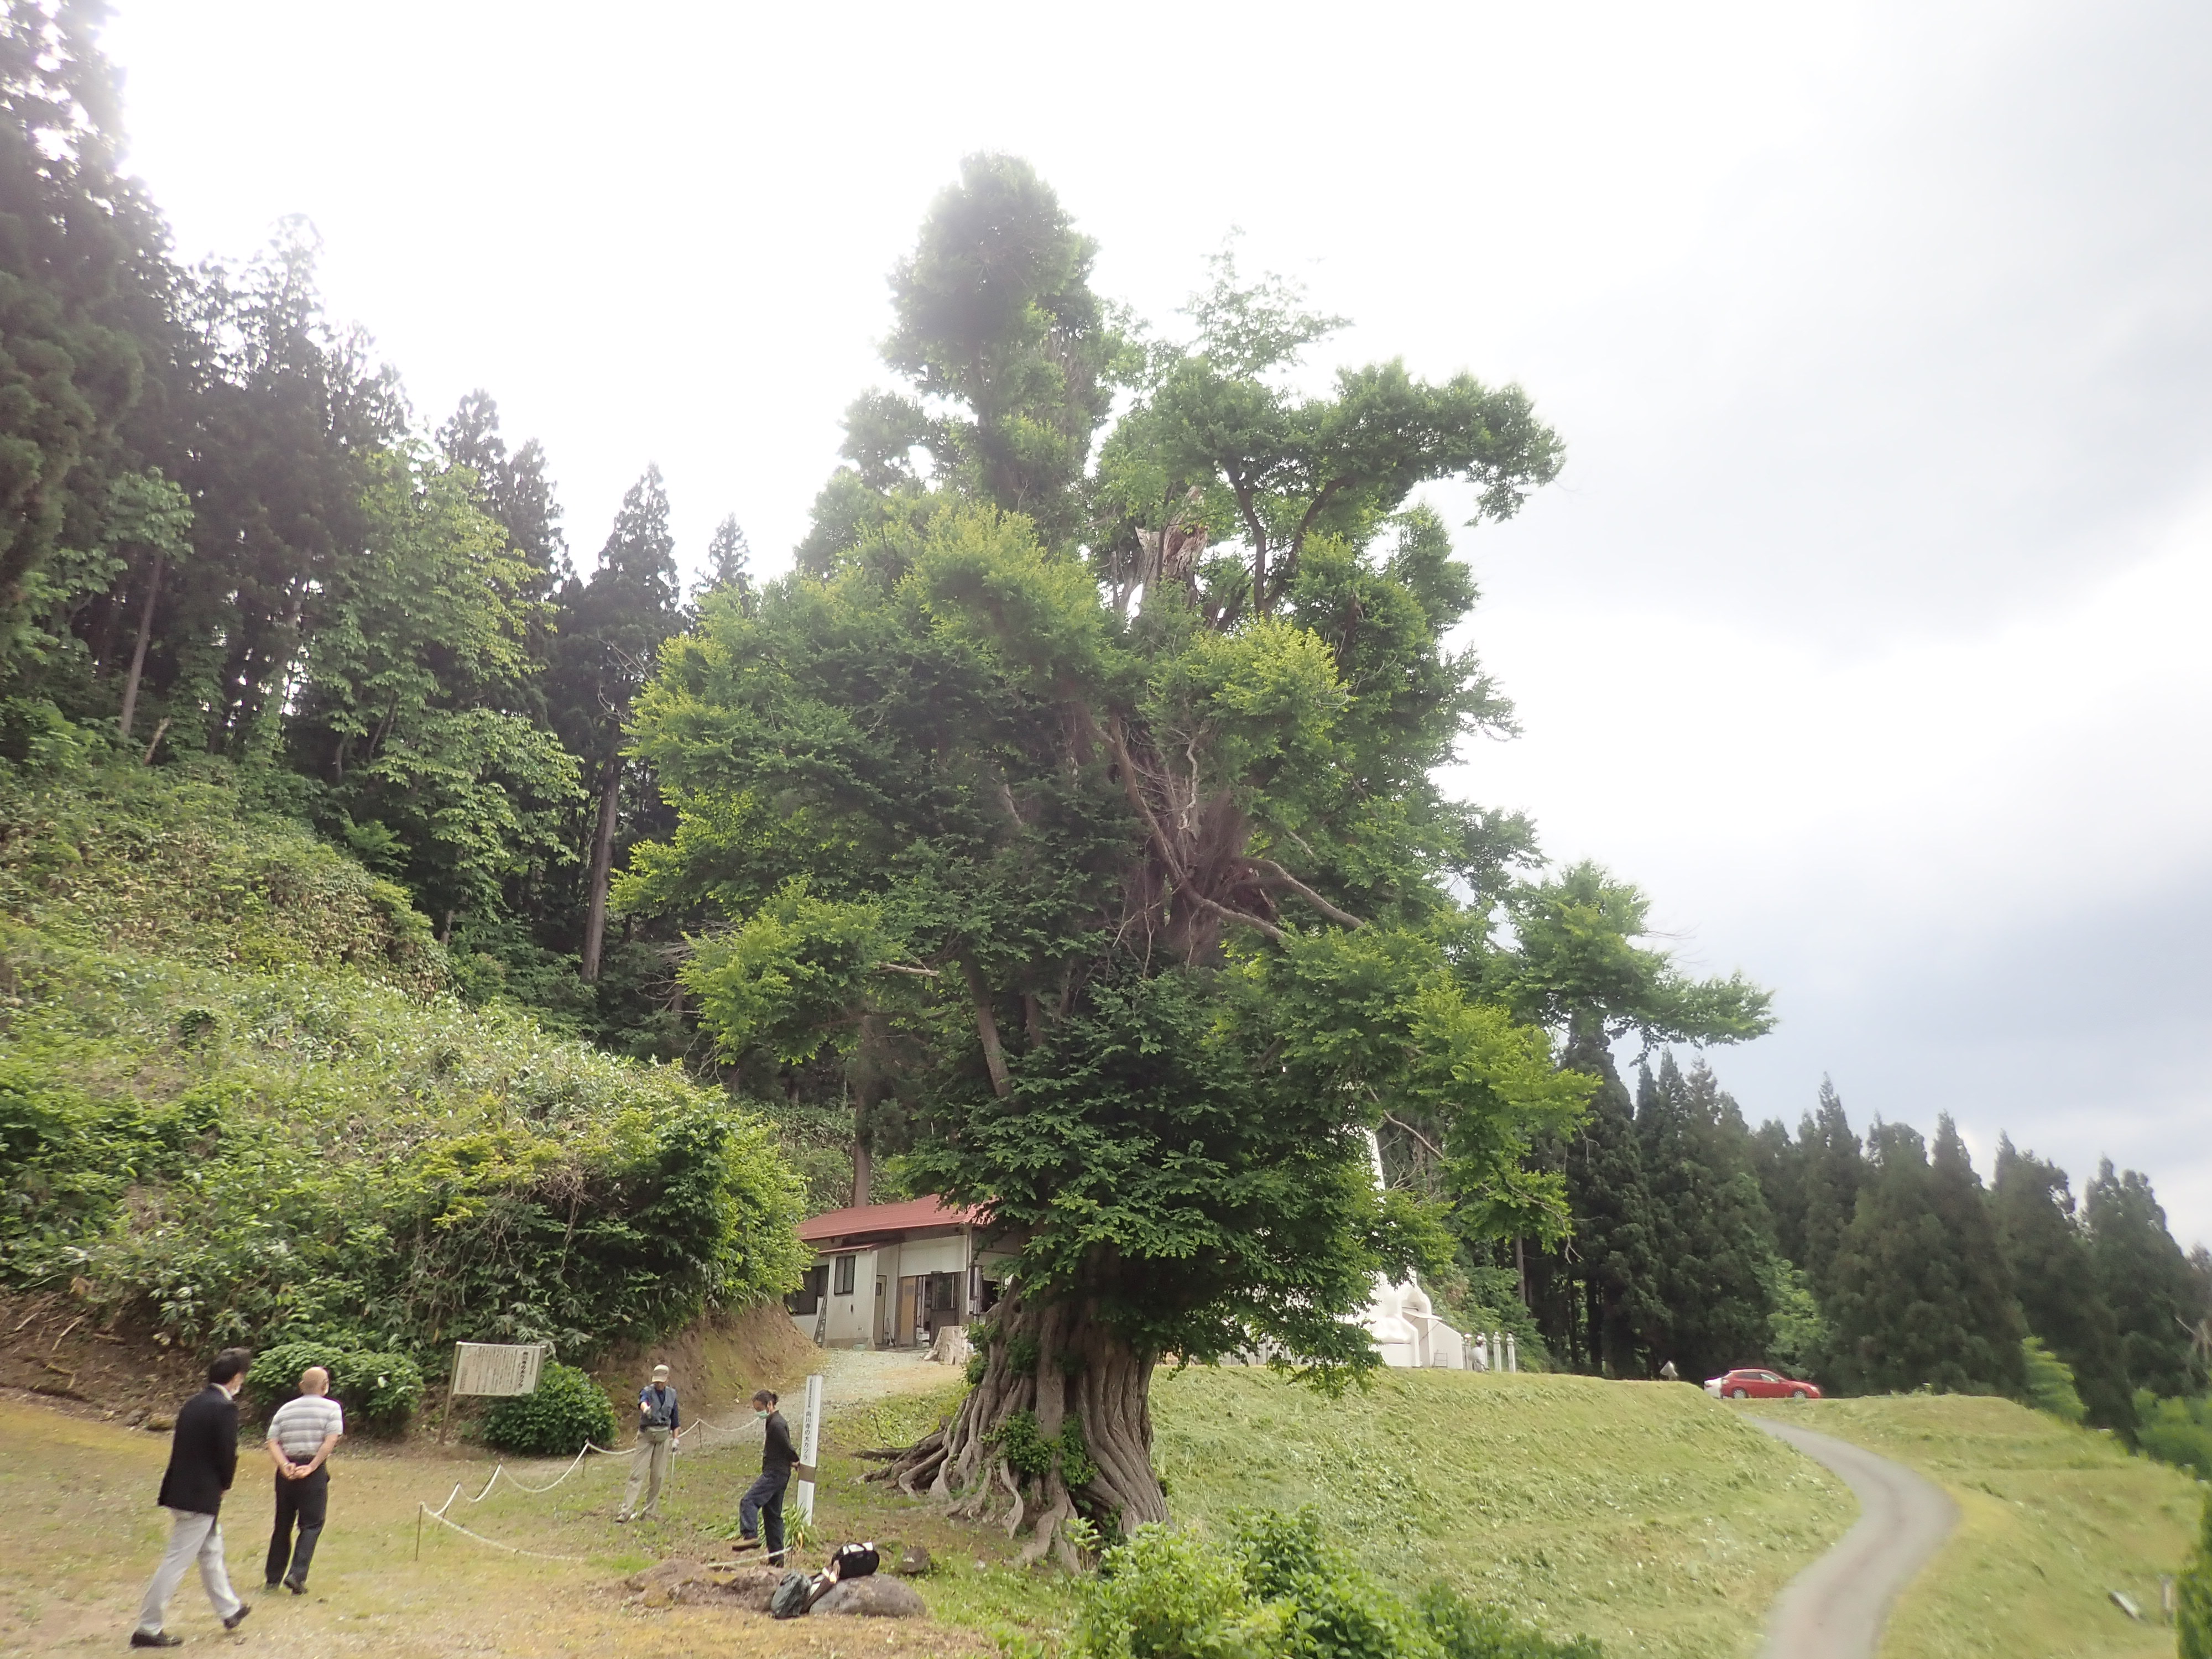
(158, 1639)
(272, 1584)
(296, 1589)
(238, 1617)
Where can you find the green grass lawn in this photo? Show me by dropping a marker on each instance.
(2052, 1518)
(1644, 1514)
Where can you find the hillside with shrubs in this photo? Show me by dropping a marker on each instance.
(240, 1103)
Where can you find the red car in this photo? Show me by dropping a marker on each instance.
(1748, 1384)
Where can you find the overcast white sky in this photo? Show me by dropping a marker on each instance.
(1867, 625)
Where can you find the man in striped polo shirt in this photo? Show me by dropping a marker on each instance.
(301, 1437)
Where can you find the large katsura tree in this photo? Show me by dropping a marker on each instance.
(1129, 921)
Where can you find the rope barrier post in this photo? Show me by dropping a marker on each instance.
(452, 1378)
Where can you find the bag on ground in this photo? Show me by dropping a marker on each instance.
(791, 1597)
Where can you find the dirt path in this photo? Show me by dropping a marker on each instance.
(1836, 1607)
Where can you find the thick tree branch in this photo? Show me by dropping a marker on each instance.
(1228, 914)
(1258, 533)
(1305, 523)
(1138, 799)
(902, 968)
(1287, 879)
(987, 1028)
(1397, 1122)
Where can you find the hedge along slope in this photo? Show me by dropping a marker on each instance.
(235, 1102)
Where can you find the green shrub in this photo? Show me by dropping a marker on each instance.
(2193, 1609)
(380, 1391)
(1167, 1594)
(2176, 1431)
(1281, 1590)
(567, 1411)
(1464, 1630)
(1279, 1552)
(2050, 1383)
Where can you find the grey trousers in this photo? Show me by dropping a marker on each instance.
(191, 1535)
(651, 1459)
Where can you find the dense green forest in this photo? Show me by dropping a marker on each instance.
(1060, 833)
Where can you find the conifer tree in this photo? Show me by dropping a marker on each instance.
(2055, 1280)
(87, 334)
(513, 487)
(1780, 1162)
(1834, 1170)
(1921, 1295)
(1711, 1229)
(610, 632)
(729, 565)
(2145, 1280)
(1616, 1271)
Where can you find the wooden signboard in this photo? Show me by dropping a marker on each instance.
(493, 1368)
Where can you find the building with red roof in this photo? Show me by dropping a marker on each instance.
(894, 1275)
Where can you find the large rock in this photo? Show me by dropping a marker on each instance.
(679, 1582)
(873, 1597)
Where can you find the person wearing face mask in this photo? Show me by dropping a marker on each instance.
(761, 1510)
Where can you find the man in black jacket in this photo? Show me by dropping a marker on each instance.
(764, 1500)
(203, 1459)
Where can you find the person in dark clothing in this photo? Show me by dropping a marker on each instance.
(202, 1460)
(762, 1507)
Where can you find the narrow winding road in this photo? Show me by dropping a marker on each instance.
(1836, 1607)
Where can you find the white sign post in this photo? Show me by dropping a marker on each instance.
(492, 1367)
(809, 1439)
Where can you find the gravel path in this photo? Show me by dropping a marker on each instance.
(1836, 1607)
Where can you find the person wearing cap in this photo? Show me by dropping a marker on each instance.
(658, 1429)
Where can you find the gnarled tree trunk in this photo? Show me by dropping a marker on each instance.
(1047, 1365)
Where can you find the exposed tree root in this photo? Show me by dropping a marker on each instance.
(1083, 1393)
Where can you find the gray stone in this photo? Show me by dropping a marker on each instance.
(873, 1597)
(912, 1562)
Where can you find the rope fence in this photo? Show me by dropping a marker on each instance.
(737, 1435)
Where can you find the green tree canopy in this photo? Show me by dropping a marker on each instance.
(1575, 966)
(85, 318)
(2144, 1280)
(1219, 448)
(1711, 1235)
(2056, 1277)
(1921, 1295)
(1145, 920)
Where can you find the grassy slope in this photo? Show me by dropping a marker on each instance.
(163, 943)
(1643, 1514)
(2052, 1519)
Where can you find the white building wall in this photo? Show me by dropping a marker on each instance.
(948, 1254)
(852, 1317)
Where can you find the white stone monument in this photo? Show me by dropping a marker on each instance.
(1399, 1317)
